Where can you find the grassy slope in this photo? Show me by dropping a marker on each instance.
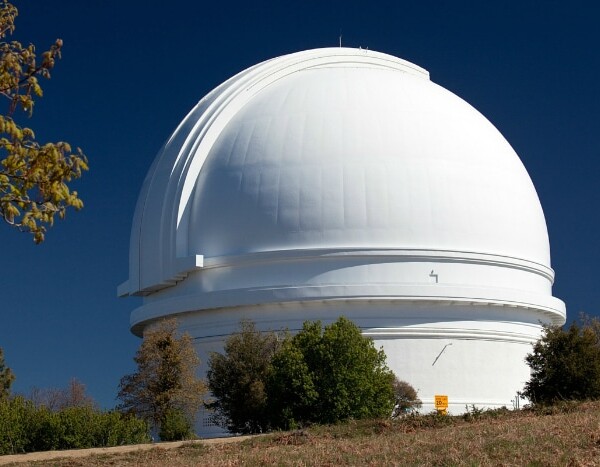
(568, 435)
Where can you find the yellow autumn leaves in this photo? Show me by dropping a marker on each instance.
(34, 177)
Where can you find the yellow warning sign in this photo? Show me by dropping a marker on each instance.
(441, 402)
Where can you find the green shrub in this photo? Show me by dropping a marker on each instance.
(14, 416)
(79, 428)
(119, 429)
(320, 375)
(237, 379)
(175, 426)
(26, 428)
(45, 430)
(565, 365)
(329, 375)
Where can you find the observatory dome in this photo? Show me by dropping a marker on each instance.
(358, 157)
(342, 181)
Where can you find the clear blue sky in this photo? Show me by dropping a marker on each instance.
(131, 70)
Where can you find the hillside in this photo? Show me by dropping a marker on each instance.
(565, 435)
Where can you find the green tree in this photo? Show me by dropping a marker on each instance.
(565, 364)
(34, 177)
(293, 395)
(6, 377)
(325, 376)
(165, 380)
(237, 379)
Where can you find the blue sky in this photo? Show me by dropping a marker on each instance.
(131, 70)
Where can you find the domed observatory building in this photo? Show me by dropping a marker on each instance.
(344, 182)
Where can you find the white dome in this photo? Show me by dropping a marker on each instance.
(344, 182)
(332, 148)
(347, 156)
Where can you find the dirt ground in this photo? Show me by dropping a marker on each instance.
(78, 453)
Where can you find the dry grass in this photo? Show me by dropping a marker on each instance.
(568, 435)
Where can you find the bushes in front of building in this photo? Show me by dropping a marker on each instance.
(27, 428)
(565, 364)
(175, 425)
(326, 375)
(237, 379)
(267, 381)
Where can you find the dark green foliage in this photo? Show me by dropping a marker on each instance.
(6, 377)
(15, 415)
(325, 376)
(237, 380)
(27, 428)
(317, 376)
(565, 365)
(292, 393)
(175, 426)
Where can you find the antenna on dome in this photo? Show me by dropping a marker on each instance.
(340, 37)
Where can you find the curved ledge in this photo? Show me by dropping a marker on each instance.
(397, 254)
(548, 306)
(413, 332)
(183, 266)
